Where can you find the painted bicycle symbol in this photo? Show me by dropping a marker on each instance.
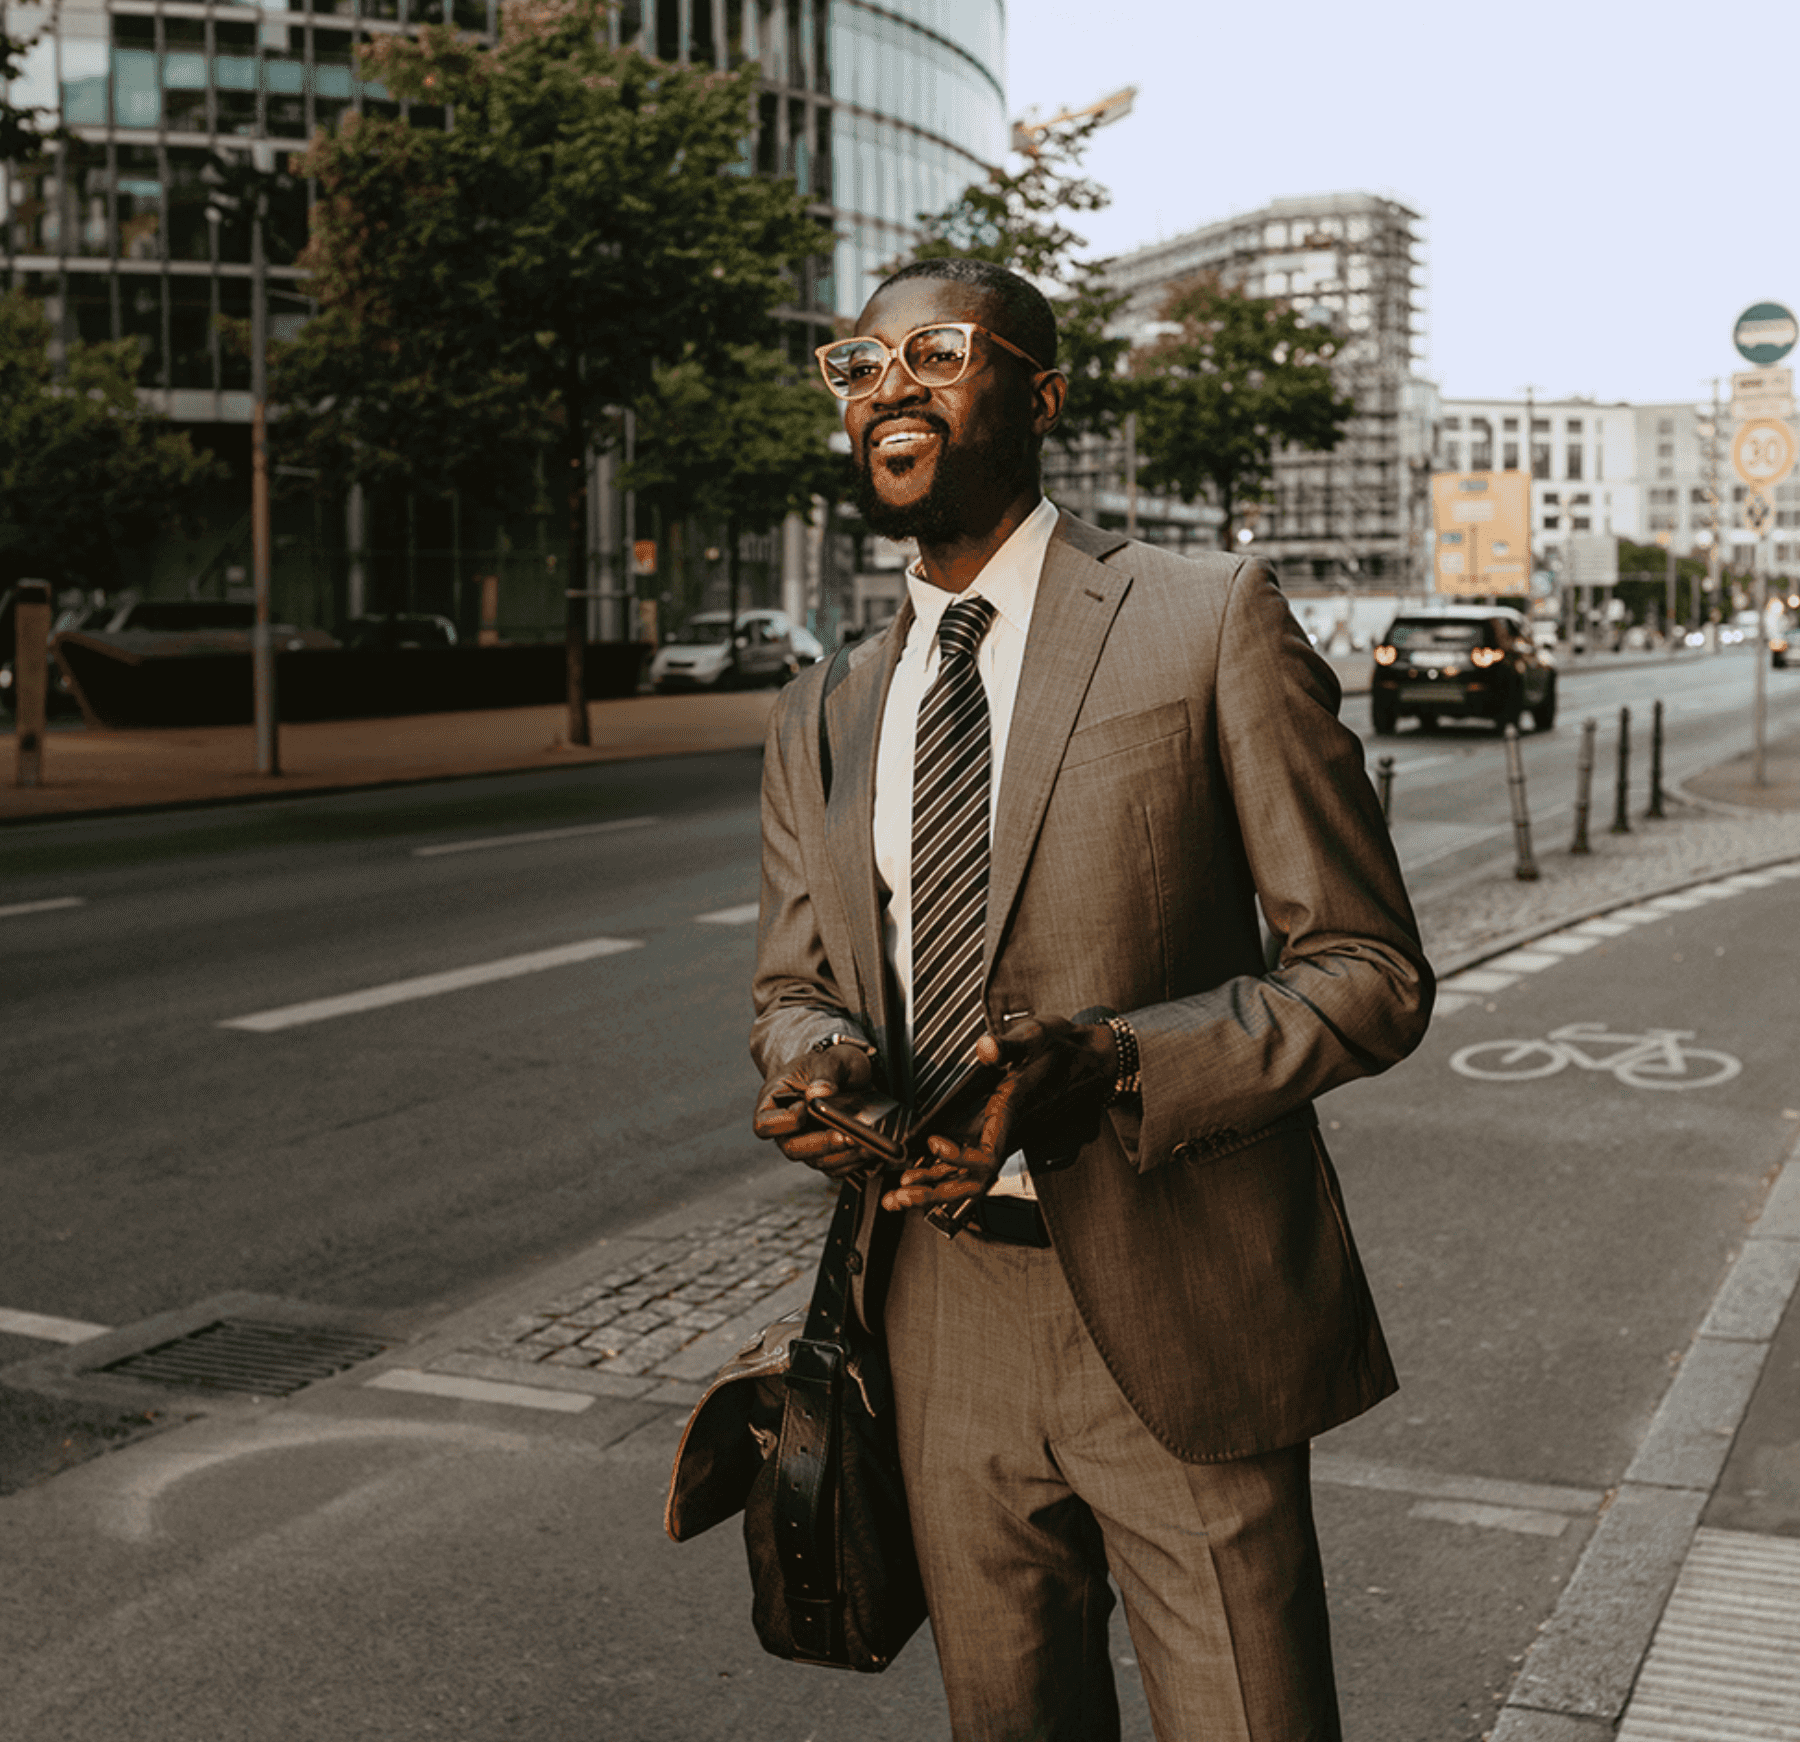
(1655, 1059)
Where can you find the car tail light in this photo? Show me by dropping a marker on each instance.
(1385, 655)
(1486, 656)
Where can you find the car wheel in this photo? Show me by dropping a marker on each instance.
(1428, 719)
(1543, 716)
(1384, 711)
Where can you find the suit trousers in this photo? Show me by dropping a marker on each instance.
(1029, 1478)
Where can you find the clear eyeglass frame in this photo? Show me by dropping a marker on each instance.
(837, 358)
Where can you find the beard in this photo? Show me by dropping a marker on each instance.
(967, 476)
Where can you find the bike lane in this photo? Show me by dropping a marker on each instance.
(1545, 1239)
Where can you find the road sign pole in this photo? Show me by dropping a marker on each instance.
(1759, 707)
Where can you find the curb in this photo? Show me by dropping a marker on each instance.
(220, 801)
(1578, 1676)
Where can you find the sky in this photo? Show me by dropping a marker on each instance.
(1603, 188)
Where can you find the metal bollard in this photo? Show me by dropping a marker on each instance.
(1526, 869)
(31, 679)
(1384, 782)
(1621, 823)
(1584, 786)
(1656, 748)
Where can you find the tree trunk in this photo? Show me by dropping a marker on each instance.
(575, 579)
(733, 571)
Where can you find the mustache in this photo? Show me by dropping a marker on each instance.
(873, 433)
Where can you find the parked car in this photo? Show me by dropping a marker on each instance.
(400, 629)
(765, 647)
(1778, 649)
(1462, 662)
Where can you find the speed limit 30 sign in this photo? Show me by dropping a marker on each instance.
(1763, 452)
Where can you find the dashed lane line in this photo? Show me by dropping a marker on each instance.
(573, 832)
(1498, 972)
(18, 909)
(479, 1390)
(744, 915)
(429, 985)
(47, 1329)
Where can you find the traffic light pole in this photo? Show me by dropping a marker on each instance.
(262, 648)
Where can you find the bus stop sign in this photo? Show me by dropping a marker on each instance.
(1765, 333)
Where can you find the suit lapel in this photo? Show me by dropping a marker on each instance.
(853, 722)
(1077, 599)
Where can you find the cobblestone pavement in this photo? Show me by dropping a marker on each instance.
(664, 1316)
(1491, 909)
(676, 1309)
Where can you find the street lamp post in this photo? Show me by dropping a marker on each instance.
(236, 186)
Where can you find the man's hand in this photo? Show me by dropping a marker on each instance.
(1057, 1073)
(782, 1118)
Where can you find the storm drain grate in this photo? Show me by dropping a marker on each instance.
(251, 1355)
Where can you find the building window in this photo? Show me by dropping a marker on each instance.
(1665, 426)
(1574, 426)
(1453, 423)
(1580, 523)
(1452, 456)
(1509, 424)
(1574, 466)
(1509, 456)
(1540, 459)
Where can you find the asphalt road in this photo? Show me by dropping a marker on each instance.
(409, 1155)
(1543, 1247)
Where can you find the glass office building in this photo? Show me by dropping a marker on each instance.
(881, 111)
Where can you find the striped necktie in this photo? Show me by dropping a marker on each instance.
(951, 774)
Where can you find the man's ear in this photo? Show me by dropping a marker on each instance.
(1049, 394)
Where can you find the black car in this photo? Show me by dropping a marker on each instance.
(1460, 662)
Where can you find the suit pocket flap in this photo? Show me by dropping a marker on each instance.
(1124, 731)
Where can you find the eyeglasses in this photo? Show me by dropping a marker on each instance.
(934, 356)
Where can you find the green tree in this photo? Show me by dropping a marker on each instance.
(22, 134)
(87, 475)
(1015, 219)
(488, 292)
(1235, 378)
(738, 444)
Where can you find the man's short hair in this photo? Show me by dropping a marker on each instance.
(1030, 320)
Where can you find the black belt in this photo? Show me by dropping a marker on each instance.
(1013, 1221)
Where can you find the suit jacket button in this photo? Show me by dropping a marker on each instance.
(853, 1262)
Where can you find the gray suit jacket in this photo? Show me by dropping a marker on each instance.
(1175, 756)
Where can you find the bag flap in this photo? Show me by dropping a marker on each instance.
(719, 1455)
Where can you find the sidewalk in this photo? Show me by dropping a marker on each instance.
(95, 770)
(92, 770)
(458, 1536)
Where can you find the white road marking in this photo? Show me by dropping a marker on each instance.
(1525, 961)
(568, 834)
(479, 1390)
(1564, 943)
(745, 915)
(59, 901)
(1480, 980)
(1518, 1519)
(430, 985)
(47, 1329)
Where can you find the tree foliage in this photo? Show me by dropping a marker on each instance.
(737, 443)
(490, 289)
(22, 134)
(1236, 377)
(86, 474)
(1015, 219)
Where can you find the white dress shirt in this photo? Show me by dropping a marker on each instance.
(1009, 583)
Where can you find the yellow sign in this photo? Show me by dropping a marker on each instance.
(1482, 523)
(1763, 452)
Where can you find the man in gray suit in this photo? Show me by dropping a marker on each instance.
(1058, 787)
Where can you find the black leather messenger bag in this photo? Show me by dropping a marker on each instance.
(798, 1432)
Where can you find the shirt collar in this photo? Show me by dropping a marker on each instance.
(1009, 581)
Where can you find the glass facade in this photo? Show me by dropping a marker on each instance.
(880, 112)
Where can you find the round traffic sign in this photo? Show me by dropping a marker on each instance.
(1763, 452)
(1765, 333)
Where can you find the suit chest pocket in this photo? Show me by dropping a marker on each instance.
(1157, 734)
